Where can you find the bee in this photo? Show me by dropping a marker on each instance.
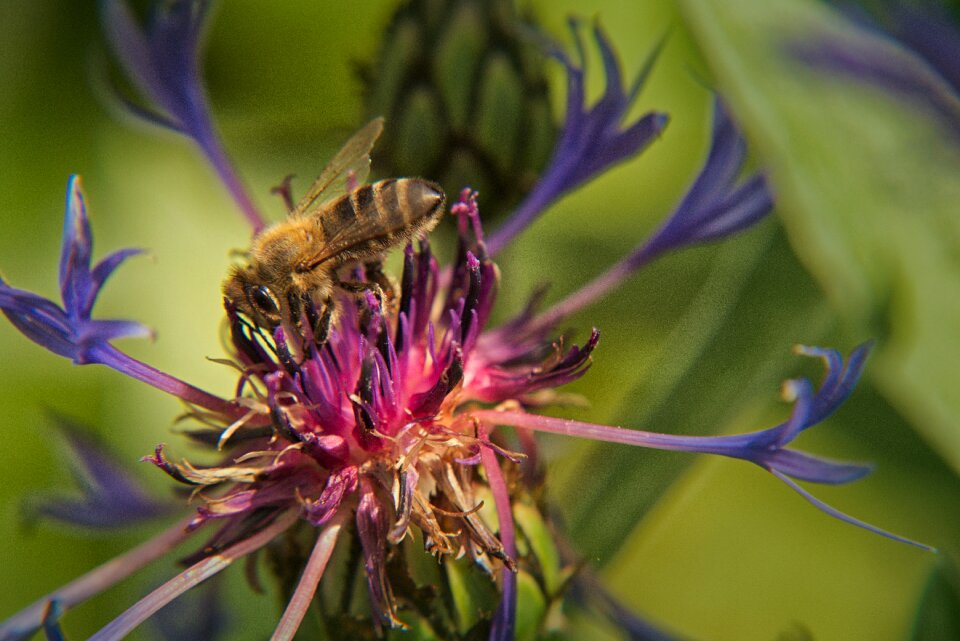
(294, 266)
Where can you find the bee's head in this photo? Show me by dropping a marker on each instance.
(253, 297)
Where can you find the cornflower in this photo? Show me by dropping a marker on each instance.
(391, 427)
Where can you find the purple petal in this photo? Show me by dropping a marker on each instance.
(339, 484)
(815, 469)
(104, 331)
(920, 76)
(68, 331)
(44, 330)
(373, 526)
(838, 383)
(713, 208)
(131, 48)
(85, 342)
(747, 204)
(725, 159)
(765, 448)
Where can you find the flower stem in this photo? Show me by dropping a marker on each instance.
(504, 621)
(115, 359)
(704, 444)
(307, 587)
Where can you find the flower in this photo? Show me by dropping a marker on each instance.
(109, 496)
(163, 64)
(388, 428)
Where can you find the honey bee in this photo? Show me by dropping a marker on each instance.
(294, 266)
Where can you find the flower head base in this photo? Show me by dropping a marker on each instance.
(375, 420)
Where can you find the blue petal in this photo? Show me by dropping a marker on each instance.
(47, 330)
(20, 301)
(75, 254)
(110, 495)
(162, 62)
(69, 331)
(715, 206)
(806, 467)
(746, 205)
(837, 514)
(836, 389)
(925, 70)
(51, 622)
(591, 140)
(104, 331)
(728, 150)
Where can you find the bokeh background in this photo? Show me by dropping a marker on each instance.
(864, 244)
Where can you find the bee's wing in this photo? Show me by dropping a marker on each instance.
(353, 161)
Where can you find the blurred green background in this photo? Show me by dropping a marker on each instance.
(864, 245)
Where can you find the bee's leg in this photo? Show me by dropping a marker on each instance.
(320, 320)
(284, 191)
(374, 274)
(359, 287)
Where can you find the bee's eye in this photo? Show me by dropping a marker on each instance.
(264, 301)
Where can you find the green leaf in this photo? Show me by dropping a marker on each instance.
(531, 607)
(938, 616)
(540, 539)
(474, 596)
(867, 189)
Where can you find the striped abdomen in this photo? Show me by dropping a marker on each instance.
(374, 218)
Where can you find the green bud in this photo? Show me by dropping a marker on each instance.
(465, 98)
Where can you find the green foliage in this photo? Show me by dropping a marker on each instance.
(938, 617)
(465, 98)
